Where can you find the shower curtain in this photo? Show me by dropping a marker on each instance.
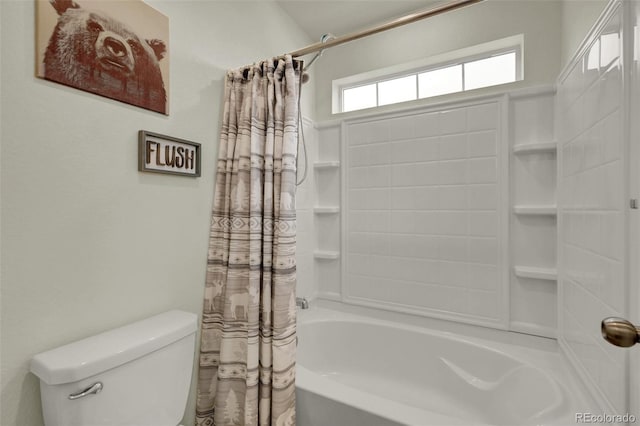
(248, 341)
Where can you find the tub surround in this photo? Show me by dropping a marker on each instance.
(418, 209)
(594, 159)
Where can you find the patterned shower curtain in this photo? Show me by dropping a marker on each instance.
(248, 342)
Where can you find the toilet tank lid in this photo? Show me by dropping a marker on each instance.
(87, 357)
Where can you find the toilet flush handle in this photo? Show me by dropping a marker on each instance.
(93, 389)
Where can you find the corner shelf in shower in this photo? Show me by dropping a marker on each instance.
(550, 274)
(326, 255)
(324, 165)
(532, 148)
(326, 210)
(536, 209)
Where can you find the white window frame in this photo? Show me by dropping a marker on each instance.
(461, 56)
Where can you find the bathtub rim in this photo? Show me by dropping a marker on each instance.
(324, 309)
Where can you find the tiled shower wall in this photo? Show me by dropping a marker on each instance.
(424, 225)
(592, 209)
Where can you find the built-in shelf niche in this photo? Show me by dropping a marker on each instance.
(326, 255)
(537, 210)
(534, 148)
(550, 274)
(533, 165)
(326, 210)
(324, 165)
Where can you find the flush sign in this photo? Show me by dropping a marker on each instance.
(164, 154)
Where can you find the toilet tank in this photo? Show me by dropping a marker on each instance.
(144, 370)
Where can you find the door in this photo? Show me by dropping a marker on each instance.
(634, 192)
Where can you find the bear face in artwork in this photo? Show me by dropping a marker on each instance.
(96, 53)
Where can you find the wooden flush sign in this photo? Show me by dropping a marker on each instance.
(164, 154)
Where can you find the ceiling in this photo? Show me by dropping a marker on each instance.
(340, 17)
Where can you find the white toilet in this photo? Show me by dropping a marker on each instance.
(136, 375)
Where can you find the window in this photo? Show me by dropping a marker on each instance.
(604, 51)
(397, 90)
(359, 97)
(440, 81)
(485, 65)
(491, 71)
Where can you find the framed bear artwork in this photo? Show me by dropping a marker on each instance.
(116, 49)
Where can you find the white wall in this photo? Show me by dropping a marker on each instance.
(539, 21)
(88, 242)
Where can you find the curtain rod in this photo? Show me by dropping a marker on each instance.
(407, 19)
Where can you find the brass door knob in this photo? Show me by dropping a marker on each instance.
(619, 332)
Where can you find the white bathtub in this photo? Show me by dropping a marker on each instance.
(356, 370)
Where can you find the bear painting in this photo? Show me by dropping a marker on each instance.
(125, 58)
